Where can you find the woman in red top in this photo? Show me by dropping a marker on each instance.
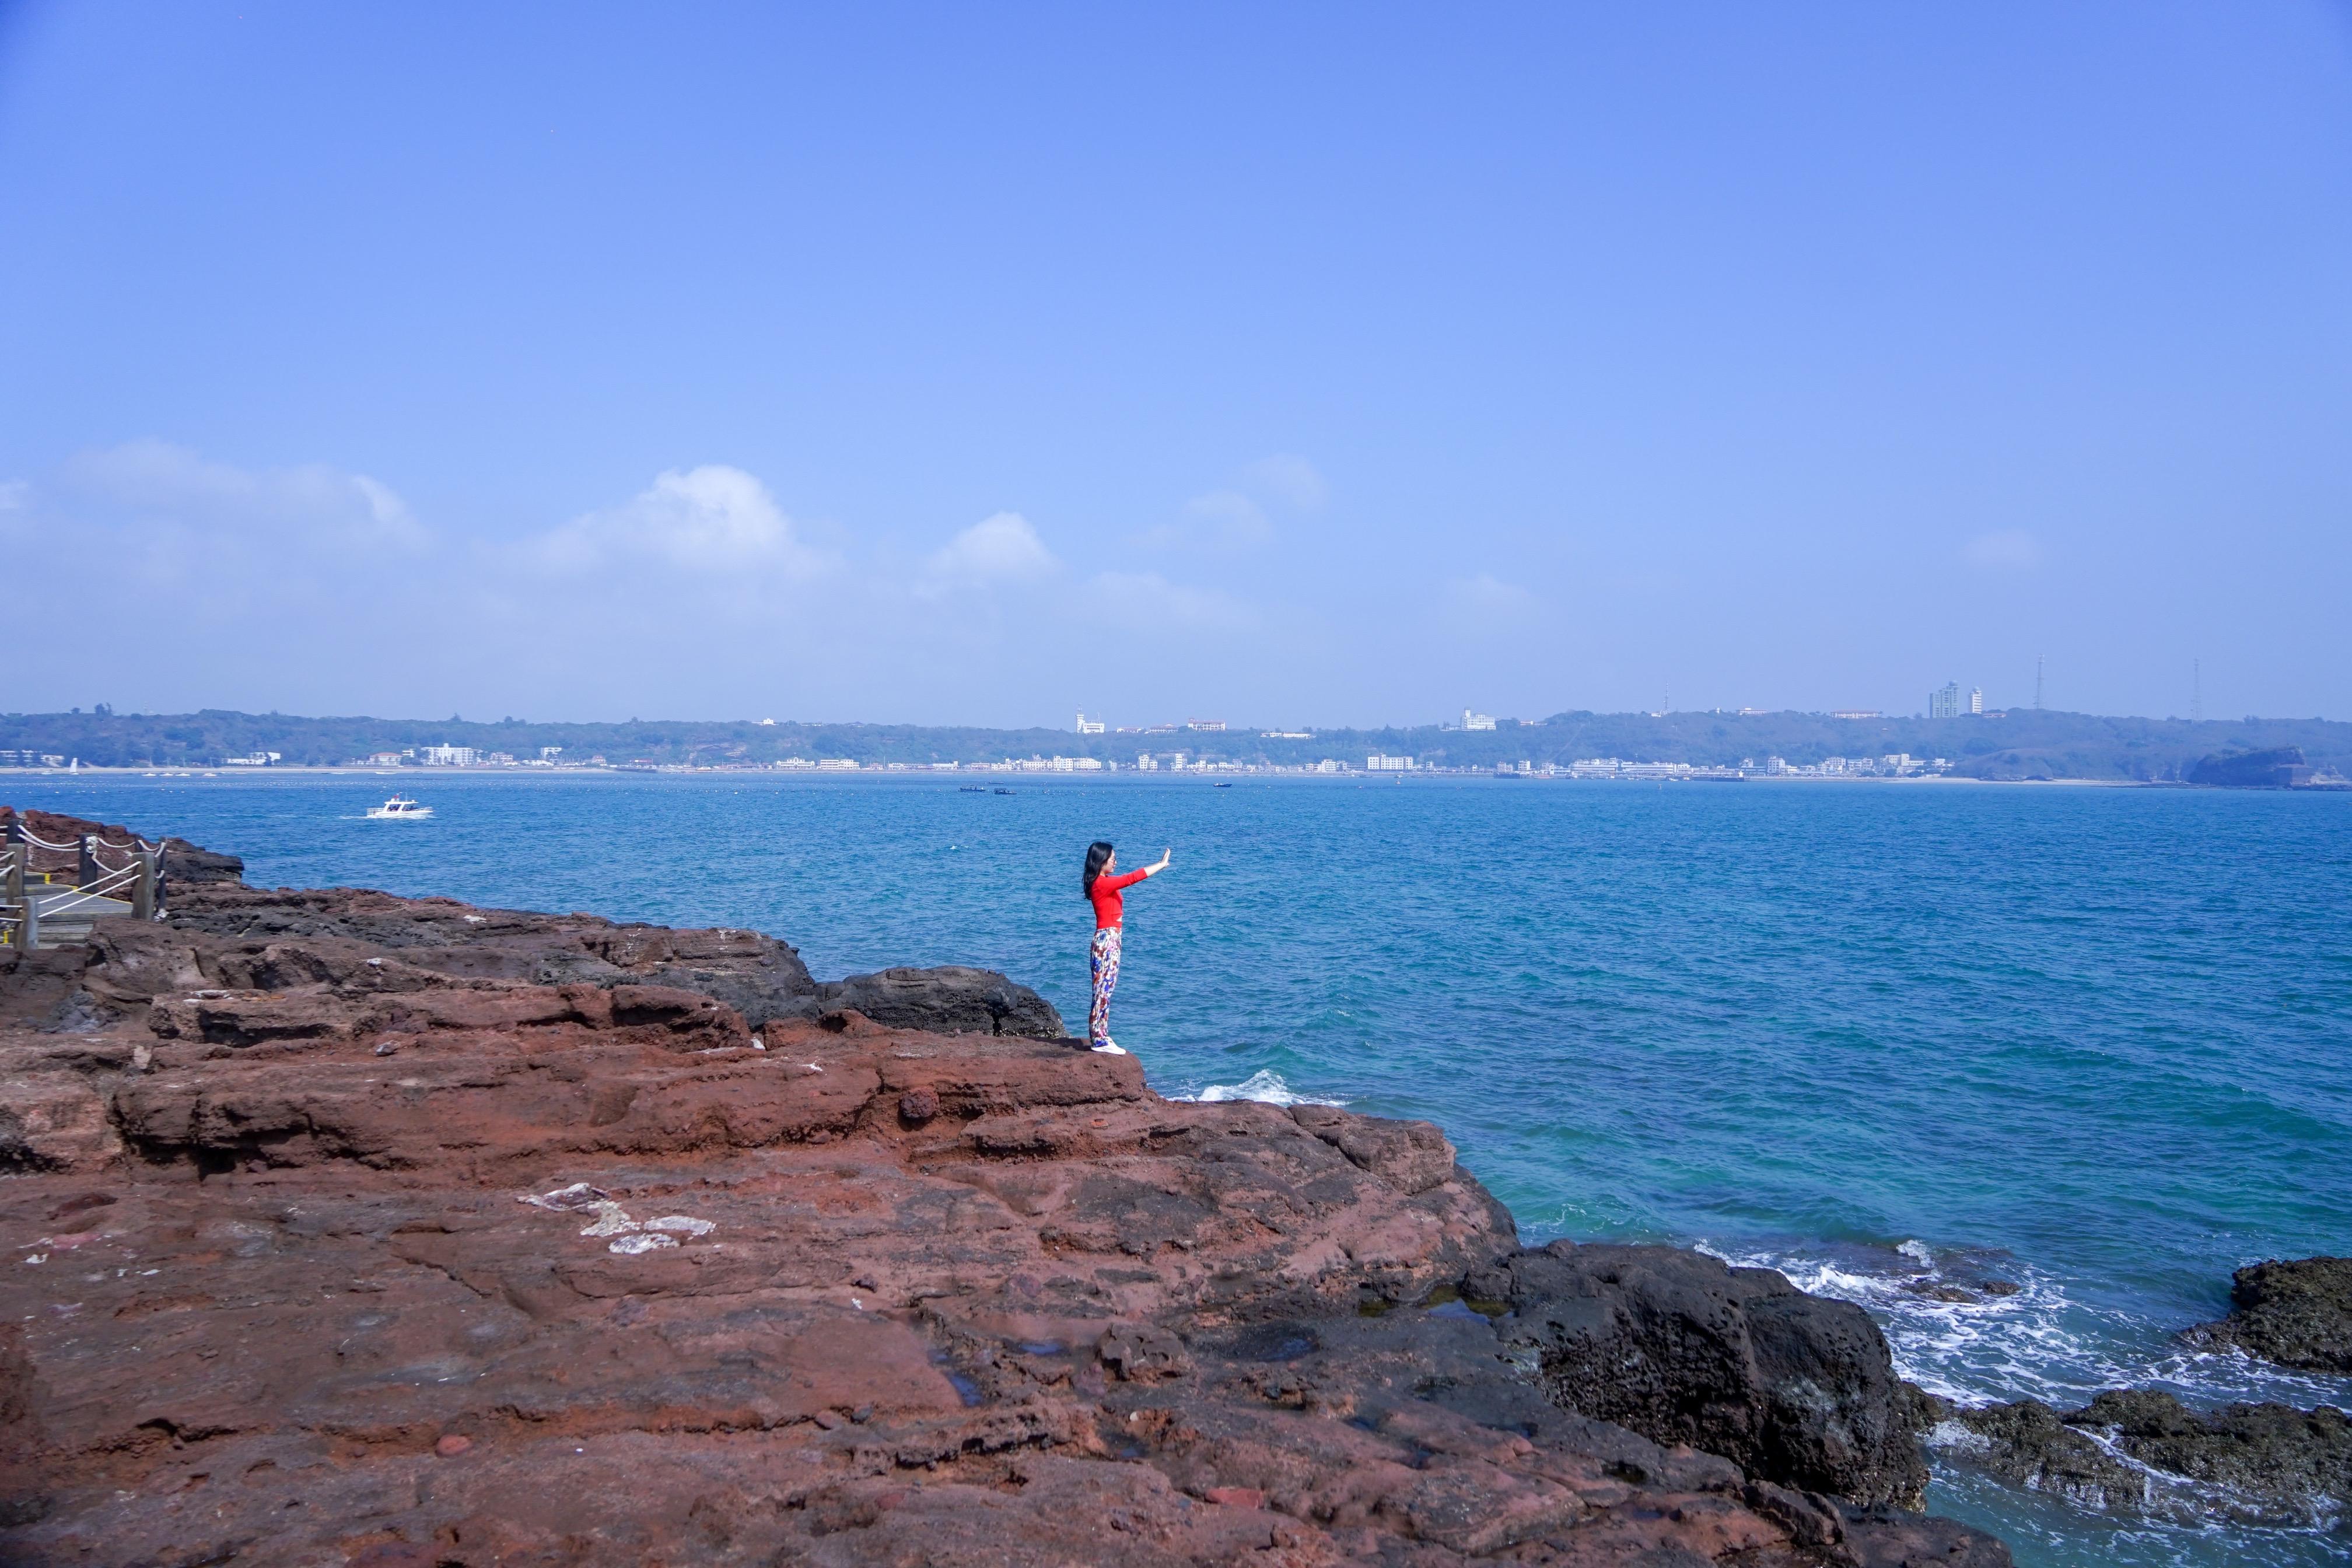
(1104, 887)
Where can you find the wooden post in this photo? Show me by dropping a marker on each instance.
(142, 887)
(28, 926)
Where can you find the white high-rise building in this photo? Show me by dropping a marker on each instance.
(1090, 726)
(1476, 721)
(1378, 763)
(1945, 701)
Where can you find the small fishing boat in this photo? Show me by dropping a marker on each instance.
(399, 808)
(1003, 792)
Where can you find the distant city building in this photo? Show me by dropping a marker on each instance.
(1948, 701)
(1090, 726)
(542, 750)
(448, 756)
(1856, 713)
(1145, 763)
(258, 760)
(1215, 725)
(1328, 765)
(1617, 768)
(1476, 721)
(1378, 764)
(838, 764)
(1286, 734)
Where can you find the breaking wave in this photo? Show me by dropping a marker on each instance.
(1265, 1086)
(1979, 1326)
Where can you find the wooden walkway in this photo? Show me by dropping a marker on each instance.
(46, 903)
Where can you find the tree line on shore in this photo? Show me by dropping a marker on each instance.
(2022, 743)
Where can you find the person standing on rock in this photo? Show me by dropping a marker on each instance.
(1103, 885)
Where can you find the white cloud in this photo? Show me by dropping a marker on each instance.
(712, 520)
(1291, 478)
(1482, 604)
(1222, 520)
(2010, 548)
(1001, 548)
(1145, 601)
(14, 493)
(150, 485)
(1235, 518)
(1487, 593)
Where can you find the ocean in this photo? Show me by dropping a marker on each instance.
(2096, 1043)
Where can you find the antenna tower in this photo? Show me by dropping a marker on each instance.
(2037, 683)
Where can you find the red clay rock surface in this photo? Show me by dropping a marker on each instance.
(350, 1229)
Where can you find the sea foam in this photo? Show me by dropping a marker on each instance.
(1265, 1086)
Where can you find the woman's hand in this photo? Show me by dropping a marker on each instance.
(1162, 863)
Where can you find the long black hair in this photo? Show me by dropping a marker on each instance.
(1097, 855)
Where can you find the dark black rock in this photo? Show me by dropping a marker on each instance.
(2142, 1452)
(2030, 1445)
(1797, 1390)
(2297, 1313)
(948, 1000)
(185, 863)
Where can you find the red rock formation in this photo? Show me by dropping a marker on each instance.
(354, 1229)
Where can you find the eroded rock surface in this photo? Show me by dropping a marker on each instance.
(365, 1230)
(1799, 1390)
(947, 1000)
(2138, 1451)
(2296, 1313)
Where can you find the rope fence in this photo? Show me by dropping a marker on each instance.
(30, 898)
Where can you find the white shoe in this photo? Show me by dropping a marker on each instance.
(1110, 1048)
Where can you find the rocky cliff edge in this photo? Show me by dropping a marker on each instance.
(341, 1228)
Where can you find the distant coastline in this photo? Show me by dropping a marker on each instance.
(2016, 746)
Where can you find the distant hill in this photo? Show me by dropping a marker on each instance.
(2279, 768)
(2015, 745)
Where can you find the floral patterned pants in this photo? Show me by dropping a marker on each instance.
(1103, 957)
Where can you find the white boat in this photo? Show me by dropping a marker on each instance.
(401, 808)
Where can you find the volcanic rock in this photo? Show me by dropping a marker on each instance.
(1798, 1390)
(2145, 1452)
(948, 1000)
(2297, 1313)
(580, 1275)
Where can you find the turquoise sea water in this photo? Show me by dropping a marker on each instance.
(2094, 1043)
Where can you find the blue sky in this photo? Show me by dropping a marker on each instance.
(1304, 364)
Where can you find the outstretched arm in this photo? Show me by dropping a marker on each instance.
(1159, 864)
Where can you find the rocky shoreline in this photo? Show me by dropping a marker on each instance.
(339, 1228)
